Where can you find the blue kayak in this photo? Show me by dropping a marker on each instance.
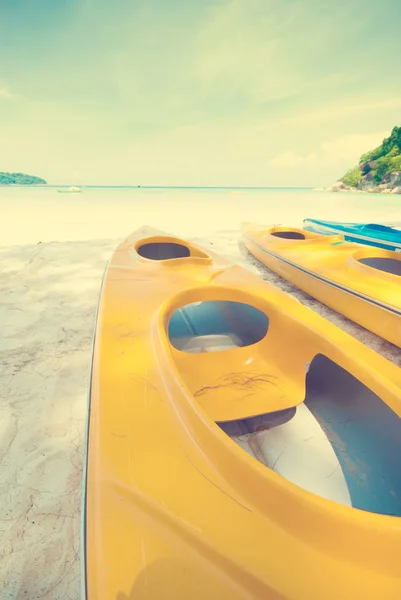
(371, 234)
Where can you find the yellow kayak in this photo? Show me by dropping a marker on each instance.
(362, 283)
(240, 446)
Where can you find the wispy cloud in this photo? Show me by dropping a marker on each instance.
(291, 160)
(350, 147)
(342, 109)
(345, 149)
(239, 50)
(6, 94)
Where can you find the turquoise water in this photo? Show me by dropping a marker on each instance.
(30, 214)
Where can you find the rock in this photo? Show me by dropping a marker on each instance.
(396, 190)
(366, 182)
(392, 179)
(339, 186)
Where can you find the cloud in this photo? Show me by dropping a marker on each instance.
(272, 49)
(6, 94)
(291, 160)
(341, 150)
(240, 50)
(343, 109)
(350, 147)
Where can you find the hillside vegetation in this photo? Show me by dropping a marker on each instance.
(20, 179)
(379, 170)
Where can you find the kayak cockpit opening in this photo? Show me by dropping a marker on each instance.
(342, 442)
(378, 227)
(163, 250)
(216, 325)
(289, 235)
(167, 248)
(382, 263)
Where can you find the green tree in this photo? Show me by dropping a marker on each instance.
(352, 177)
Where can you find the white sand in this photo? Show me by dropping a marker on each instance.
(49, 294)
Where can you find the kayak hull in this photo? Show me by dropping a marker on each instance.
(380, 236)
(336, 273)
(179, 501)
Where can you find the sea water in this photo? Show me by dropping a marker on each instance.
(41, 214)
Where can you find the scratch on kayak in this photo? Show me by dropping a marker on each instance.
(135, 375)
(143, 554)
(242, 380)
(123, 331)
(332, 473)
(213, 483)
(278, 458)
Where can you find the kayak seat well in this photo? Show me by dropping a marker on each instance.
(386, 265)
(167, 248)
(216, 345)
(163, 250)
(207, 325)
(289, 235)
(378, 227)
(342, 443)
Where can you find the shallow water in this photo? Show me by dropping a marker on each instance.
(31, 215)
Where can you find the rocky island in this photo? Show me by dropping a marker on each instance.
(378, 170)
(20, 179)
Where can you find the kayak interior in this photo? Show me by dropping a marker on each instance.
(378, 227)
(163, 251)
(340, 441)
(197, 326)
(384, 264)
(166, 248)
(289, 235)
(293, 233)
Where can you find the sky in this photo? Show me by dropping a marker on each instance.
(196, 92)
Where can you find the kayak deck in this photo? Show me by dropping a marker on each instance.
(359, 282)
(313, 438)
(370, 234)
(232, 433)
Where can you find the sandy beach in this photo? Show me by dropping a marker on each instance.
(51, 264)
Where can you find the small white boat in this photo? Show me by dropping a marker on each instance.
(70, 190)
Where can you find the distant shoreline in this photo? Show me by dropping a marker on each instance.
(166, 187)
(7, 178)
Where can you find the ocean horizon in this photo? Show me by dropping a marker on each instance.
(39, 213)
(175, 187)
